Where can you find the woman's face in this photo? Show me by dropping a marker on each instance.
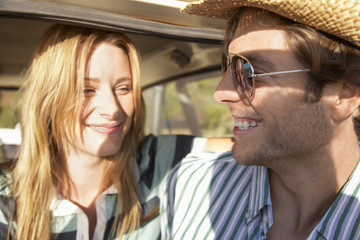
(109, 103)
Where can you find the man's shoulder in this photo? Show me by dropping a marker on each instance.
(209, 160)
(207, 164)
(212, 191)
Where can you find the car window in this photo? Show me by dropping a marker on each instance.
(187, 107)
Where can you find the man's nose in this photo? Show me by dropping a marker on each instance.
(225, 91)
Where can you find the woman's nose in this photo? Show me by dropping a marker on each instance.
(109, 106)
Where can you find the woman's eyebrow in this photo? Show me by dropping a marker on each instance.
(123, 79)
(94, 80)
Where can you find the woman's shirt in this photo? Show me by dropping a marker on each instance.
(157, 155)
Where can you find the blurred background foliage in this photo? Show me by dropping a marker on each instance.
(9, 108)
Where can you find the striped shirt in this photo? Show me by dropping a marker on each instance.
(211, 196)
(157, 156)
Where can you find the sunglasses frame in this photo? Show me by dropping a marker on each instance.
(234, 71)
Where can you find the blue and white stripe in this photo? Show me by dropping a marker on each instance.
(211, 196)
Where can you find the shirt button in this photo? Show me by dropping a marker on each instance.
(247, 215)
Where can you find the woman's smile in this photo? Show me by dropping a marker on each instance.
(106, 128)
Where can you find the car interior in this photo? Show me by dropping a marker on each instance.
(180, 60)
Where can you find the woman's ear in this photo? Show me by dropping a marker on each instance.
(347, 101)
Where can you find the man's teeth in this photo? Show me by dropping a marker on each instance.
(243, 125)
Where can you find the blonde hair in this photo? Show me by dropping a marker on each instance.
(52, 100)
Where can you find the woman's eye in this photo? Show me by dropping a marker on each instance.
(123, 90)
(88, 91)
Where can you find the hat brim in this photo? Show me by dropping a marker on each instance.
(339, 18)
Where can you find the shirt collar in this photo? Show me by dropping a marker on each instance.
(61, 206)
(345, 209)
(259, 194)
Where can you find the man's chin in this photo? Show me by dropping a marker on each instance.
(239, 157)
(247, 158)
(238, 153)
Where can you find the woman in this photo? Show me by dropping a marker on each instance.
(82, 118)
(82, 121)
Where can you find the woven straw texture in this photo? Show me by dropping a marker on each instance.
(340, 18)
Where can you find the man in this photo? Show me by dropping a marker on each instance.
(292, 83)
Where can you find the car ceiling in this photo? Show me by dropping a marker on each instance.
(172, 45)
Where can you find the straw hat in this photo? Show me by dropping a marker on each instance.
(340, 18)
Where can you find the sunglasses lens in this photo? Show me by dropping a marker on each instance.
(224, 63)
(243, 80)
(242, 74)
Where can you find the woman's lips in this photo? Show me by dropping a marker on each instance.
(105, 128)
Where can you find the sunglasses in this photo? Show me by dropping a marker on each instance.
(243, 74)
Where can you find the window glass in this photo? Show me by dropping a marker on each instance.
(9, 119)
(9, 108)
(182, 107)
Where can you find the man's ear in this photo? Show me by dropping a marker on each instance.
(347, 101)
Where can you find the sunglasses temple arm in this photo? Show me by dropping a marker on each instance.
(279, 73)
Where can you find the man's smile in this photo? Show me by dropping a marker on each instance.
(244, 124)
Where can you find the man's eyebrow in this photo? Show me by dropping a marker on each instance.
(260, 61)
